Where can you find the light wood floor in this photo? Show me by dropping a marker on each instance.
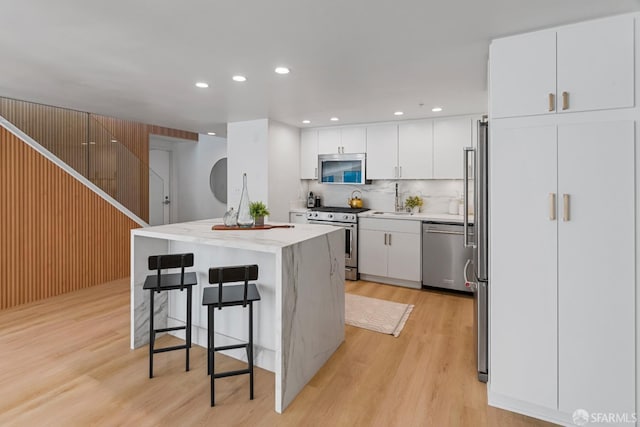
(66, 361)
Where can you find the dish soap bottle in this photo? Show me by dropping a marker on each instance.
(244, 215)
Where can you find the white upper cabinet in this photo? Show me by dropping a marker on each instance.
(593, 70)
(342, 140)
(329, 141)
(353, 139)
(415, 150)
(309, 154)
(450, 136)
(382, 151)
(523, 75)
(595, 65)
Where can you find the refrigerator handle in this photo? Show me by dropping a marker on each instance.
(465, 185)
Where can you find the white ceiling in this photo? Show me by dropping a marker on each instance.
(359, 60)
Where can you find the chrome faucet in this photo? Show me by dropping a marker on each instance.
(398, 203)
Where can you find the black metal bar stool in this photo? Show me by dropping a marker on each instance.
(230, 296)
(167, 282)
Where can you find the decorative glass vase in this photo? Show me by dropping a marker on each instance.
(244, 216)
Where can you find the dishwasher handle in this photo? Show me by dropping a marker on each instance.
(433, 231)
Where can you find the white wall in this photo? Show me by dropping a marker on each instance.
(248, 151)
(269, 152)
(192, 163)
(193, 167)
(284, 169)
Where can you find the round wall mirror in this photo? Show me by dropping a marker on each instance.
(218, 180)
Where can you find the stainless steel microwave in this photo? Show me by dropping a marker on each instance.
(342, 168)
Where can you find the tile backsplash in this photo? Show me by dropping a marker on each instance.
(380, 195)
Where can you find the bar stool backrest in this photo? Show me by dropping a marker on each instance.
(162, 262)
(241, 273)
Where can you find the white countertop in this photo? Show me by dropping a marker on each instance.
(257, 240)
(415, 217)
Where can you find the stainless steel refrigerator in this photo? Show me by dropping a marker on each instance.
(476, 269)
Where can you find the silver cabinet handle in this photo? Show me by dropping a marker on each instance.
(389, 239)
(456, 233)
(552, 206)
(400, 171)
(552, 102)
(316, 173)
(566, 208)
(385, 239)
(565, 100)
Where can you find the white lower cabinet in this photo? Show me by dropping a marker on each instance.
(562, 273)
(389, 251)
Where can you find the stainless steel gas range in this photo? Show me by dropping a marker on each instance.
(346, 218)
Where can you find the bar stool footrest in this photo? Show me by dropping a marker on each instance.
(175, 347)
(175, 328)
(231, 347)
(231, 373)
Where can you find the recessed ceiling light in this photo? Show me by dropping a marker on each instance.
(239, 78)
(202, 85)
(306, 122)
(334, 119)
(92, 143)
(398, 113)
(114, 140)
(211, 133)
(436, 109)
(282, 70)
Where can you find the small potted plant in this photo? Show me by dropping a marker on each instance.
(258, 211)
(414, 203)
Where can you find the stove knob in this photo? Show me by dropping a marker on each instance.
(345, 216)
(315, 215)
(330, 216)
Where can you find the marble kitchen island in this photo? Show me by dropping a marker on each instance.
(299, 322)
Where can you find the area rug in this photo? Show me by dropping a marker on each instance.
(377, 315)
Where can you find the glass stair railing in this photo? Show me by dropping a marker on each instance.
(83, 143)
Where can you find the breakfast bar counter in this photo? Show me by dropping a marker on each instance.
(299, 321)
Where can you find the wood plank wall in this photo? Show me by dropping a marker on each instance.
(56, 235)
(120, 169)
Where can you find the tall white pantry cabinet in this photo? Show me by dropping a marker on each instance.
(563, 213)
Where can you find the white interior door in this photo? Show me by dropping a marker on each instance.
(596, 253)
(523, 265)
(159, 187)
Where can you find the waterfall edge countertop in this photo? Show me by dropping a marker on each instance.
(257, 240)
(299, 321)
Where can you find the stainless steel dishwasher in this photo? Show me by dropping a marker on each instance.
(444, 255)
